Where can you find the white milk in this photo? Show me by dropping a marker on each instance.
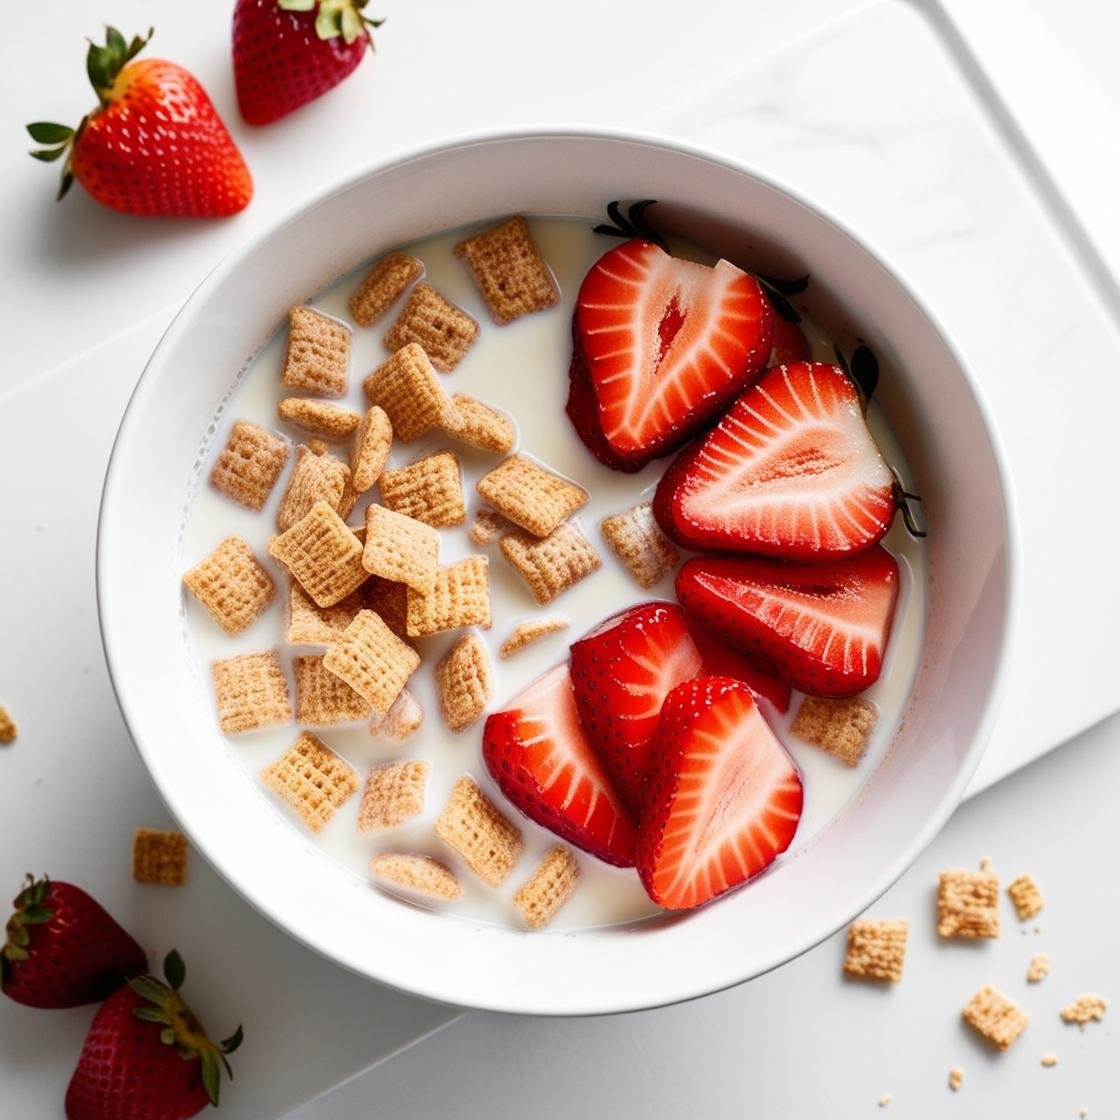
(523, 369)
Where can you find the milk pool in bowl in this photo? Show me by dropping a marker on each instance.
(523, 370)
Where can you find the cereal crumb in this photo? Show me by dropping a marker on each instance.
(8, 729)
(1085, 1009)
(885, 1100)
(956, 1078)
(1039, 968)
(529, 631)
(1026, 896)
(986, 863)
(1049, 1060)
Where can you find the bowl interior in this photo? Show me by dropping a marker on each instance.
(934, 412)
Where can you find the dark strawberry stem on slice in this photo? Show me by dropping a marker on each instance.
(902, 500)
(631, 224)
(337, 17)
(776, 291)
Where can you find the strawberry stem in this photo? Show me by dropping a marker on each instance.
(336, 18)
(902, 500)
(632, 224)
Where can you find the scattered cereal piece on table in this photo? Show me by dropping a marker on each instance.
(231, 585)
(1085, 1009)
(474, 827)
(446, 332)
(390, 600)
(550, 886)
(1026, 897)
(394, 793)
(552, 565)
(401, 549)
(479, 426)
(315, 478)
(464, 682)
(383, 286)
(1049, 1060)
(249, 464)
(885, 1100)
(318, 356)
(533, 498)
(407, 388)
(968, 904)
(371, 448)
(994, 1017)
(876, 950)
(372, 660)
(322, 553)
(460, 598)
(956, 1078)
(509, 271)
(429, 490)
(308, 624)
(252, 692)
(529, 631)
(329, 421)
(1039, 968)
(421, 875)
(312, 779)
(986, 863)
(8, 729)
(487, 526)
(403, 718)
(841, 727)
(159, 857)
(323, 699)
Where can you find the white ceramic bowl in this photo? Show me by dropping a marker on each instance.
(933, 405)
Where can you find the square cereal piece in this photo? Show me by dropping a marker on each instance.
(529, 631)
(842, 727)
(407, 388)
(418, 875)
(430, 490)
(1026, 896)
(315, 478)
(318, 355)
(330, 421)
(322, 698)
(876, 950)
(1039, 968)
(530, 496)
(321, 551)
(159, 857)
(487, 525)
(249, 465)
(1085, 1009)
(464, 682)
(371, 448)
(400, 549)
(445, 331)
(400, 722)
(552, 565)
(251, 691)
(370, 658)
(637, 540)
(479, 426)
(509, 270)
(312, 779)
(390, 600)
(968, 904)
(8, 729)
(231, 585)
(551, 885)
(394, 792)
(382, 287)
(994, 1017)
(473, 826)
(310, 625)
(460, 597)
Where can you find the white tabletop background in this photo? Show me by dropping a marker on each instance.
(799, 1042)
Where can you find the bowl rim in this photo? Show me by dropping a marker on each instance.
(233, 259)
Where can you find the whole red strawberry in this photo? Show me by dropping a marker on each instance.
(154, 145)
(146, 1056)
(289, 52)
(63, 949)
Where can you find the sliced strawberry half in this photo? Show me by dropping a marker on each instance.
(623, 670)
(667, 344)
(723, 799)
(824, 627)
(791, 471)
(788, 344)
(537, 753)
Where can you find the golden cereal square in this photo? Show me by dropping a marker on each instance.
(249, 464)
(390, 601)
(552, 565)
(322, 553)
(8, 729)
(509, 270)
(430, 490)
(445, 331)
(876, 950)
(842, 727)
(315, 478)
(464, 682)
(460, 597)
(486, 527)
(312, 779)
(371, 448)
(968, 904)
(416, 874)
(1026, 897)
(551, 885)
(400, 722)
(400, 549)
(251, 691)
(394, 793)
(529, 495)
(372, 660)
(318, 355)
(407, 389)
(231, 585)
(530, 631)
(383, 286)
(473, 826)
(159, 857)
(479, 426)
(329, 421)
(637, 540)
(322, 699)
(994, 1017)
(310, 625)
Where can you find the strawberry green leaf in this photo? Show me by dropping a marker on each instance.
(228, 1045)
(45, 132)
(103, 64)
(151, 1014)
(47, 155)
(167, 1037)
(211, 1075)
(864, 370)
(296, 5)
(151, 990)
(351, 25)
(64, 185)
(174, 970)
